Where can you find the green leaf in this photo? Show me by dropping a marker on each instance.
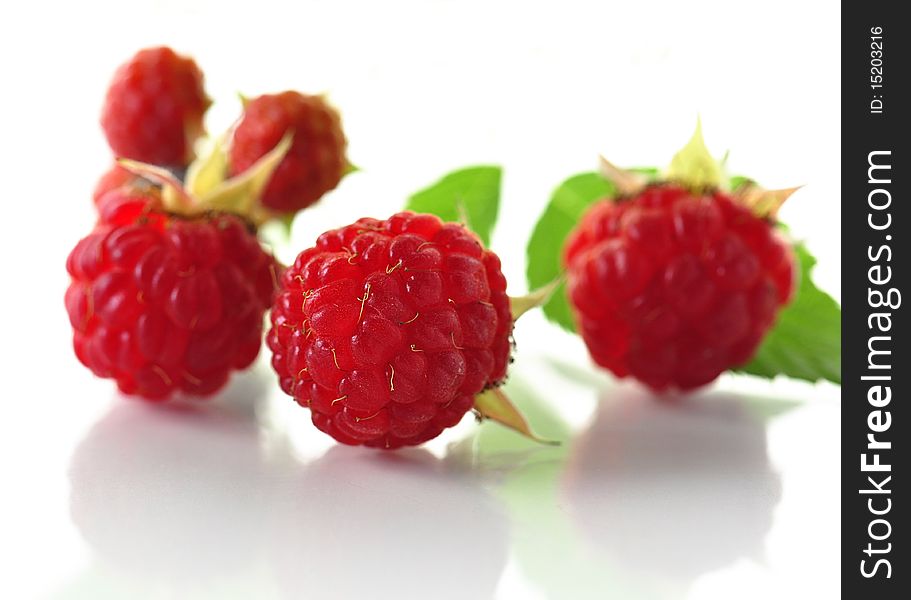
(545, 247)
(737, 181)
(806, 341)
(472, 193)
(651, 173)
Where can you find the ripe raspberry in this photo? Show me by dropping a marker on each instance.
(125, 204)
(316, 161)
(154, 108)
(387, 330)
(162, 303)
(674, 288)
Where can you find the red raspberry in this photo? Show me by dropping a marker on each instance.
(674, 288)
(316, 160)
(387, 330)
(154, 108)
(112, 179)
(162, 303)
(124, 205)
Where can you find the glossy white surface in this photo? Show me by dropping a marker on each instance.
(732, 492)
(717, 493)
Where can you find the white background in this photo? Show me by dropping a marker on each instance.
(732, 492)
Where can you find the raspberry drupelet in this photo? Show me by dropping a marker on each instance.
(386, 330)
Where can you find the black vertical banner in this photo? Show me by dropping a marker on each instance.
(876, 63)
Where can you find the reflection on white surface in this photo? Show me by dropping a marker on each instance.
(184, 502)
(650, 496)
(361, 524)
(173, 497)
(212, 501)
(671, 491)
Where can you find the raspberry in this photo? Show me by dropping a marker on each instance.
(672, 287)
(154, 108)
(162, 303)
(387, 330)
(112, 179)
(124, 204)
(316, 161)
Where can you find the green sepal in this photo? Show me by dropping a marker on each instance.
(493, 404)
(693, 166)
